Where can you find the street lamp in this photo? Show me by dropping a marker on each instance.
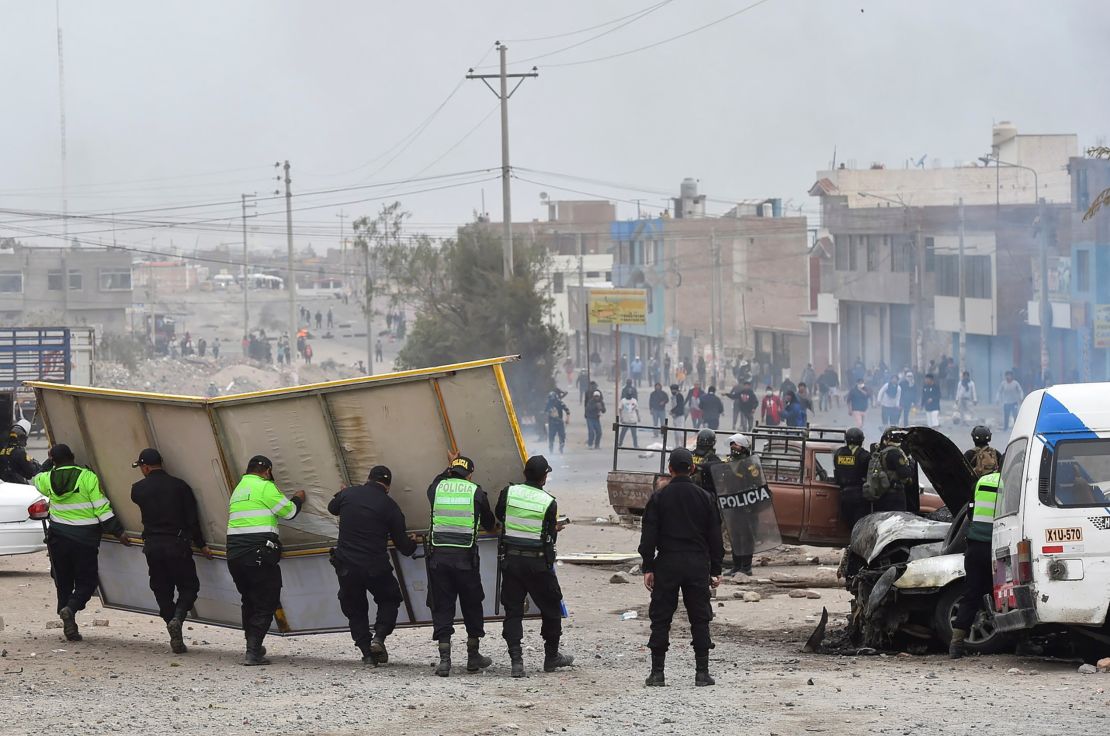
(1045, 308)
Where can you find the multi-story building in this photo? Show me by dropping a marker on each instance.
(1089, 270)
(888, 280)
(87, 286)
(718, 287)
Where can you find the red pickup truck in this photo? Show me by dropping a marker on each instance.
(798, 465)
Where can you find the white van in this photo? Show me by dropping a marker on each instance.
(1052, 521)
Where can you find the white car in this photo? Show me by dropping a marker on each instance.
(22, 510)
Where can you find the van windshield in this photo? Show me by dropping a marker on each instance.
(1081, 473)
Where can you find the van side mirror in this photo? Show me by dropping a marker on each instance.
(1044, 484)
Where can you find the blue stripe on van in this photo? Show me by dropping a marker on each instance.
(1055, 422)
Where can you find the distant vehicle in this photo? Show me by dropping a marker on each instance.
(54, 354)
(23, 512)
(797, 462)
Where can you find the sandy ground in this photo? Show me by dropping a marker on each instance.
(123, 679)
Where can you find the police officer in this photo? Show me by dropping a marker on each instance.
(850, 473)
(15, 466)
(983, 458)
(79, 514)
(705, 454)
(897, 468)
(170, 526)
(368, 520)
(680, 543)
(978, 580)
(529, 525)
(254, 550)
(740, 448)
(459, 508)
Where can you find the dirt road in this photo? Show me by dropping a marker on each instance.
(123, 679)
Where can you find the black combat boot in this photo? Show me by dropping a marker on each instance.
(957, 648)
(516, 658)
(701, 670)
(69, 624)
(745, 564)
(443, 669)
(256, 653)
(475, 660)
(554, 659)
(177, 639)
(377, 650)
(656, 679)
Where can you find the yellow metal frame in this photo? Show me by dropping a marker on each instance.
(510, 412)
(416, 373)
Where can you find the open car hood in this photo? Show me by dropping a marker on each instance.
(943, 464)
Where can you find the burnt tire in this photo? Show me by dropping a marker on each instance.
(983, 638)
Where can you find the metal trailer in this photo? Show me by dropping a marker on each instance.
(321, 437)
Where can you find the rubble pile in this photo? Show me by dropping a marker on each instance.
(193, 376)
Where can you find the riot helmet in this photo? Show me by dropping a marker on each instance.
(707, 438)
(854, 436)
(981, 435)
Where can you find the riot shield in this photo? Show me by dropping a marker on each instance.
(746, 508)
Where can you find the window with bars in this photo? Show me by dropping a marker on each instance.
(115, 279)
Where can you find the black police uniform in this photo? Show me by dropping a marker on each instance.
(15, 466)
(703, 458)
(530, 572)
(454, 575)
(680, 541)
(900, 470)
(850, 473)
(170, 526)
(368, 520)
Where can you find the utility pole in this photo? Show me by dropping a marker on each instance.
(582, 301)
(292, 285)
(506, 197)
(714, 301)
(246, 269)
(342, 248)
(963, 305)
(62, 122)
(1045, 305)
(368, 291)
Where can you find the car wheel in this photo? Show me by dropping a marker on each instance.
(983, 638)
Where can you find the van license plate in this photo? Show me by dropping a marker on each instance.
(1073, 534)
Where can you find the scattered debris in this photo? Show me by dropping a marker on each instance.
(53, 624)
(813, 643)
(824, 577)
(598, 558)
(100, 622)
(1103, 664)
(797, 593)
(620, 577)
(1087, 669)
(629, 615)
(813, 595)
(750, 596)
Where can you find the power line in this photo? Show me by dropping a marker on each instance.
(665, 40)
(584, 30)
(631, 20)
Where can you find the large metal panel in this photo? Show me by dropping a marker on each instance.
(309, 603)
(184, 436)
(321, 438)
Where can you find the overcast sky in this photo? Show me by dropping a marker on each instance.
(178, 103)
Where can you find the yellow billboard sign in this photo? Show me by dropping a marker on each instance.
(618, 306)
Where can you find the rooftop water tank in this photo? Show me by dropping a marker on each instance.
(1003, 133)
(689, 189)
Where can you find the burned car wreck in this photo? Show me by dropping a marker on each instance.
(905, 571)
